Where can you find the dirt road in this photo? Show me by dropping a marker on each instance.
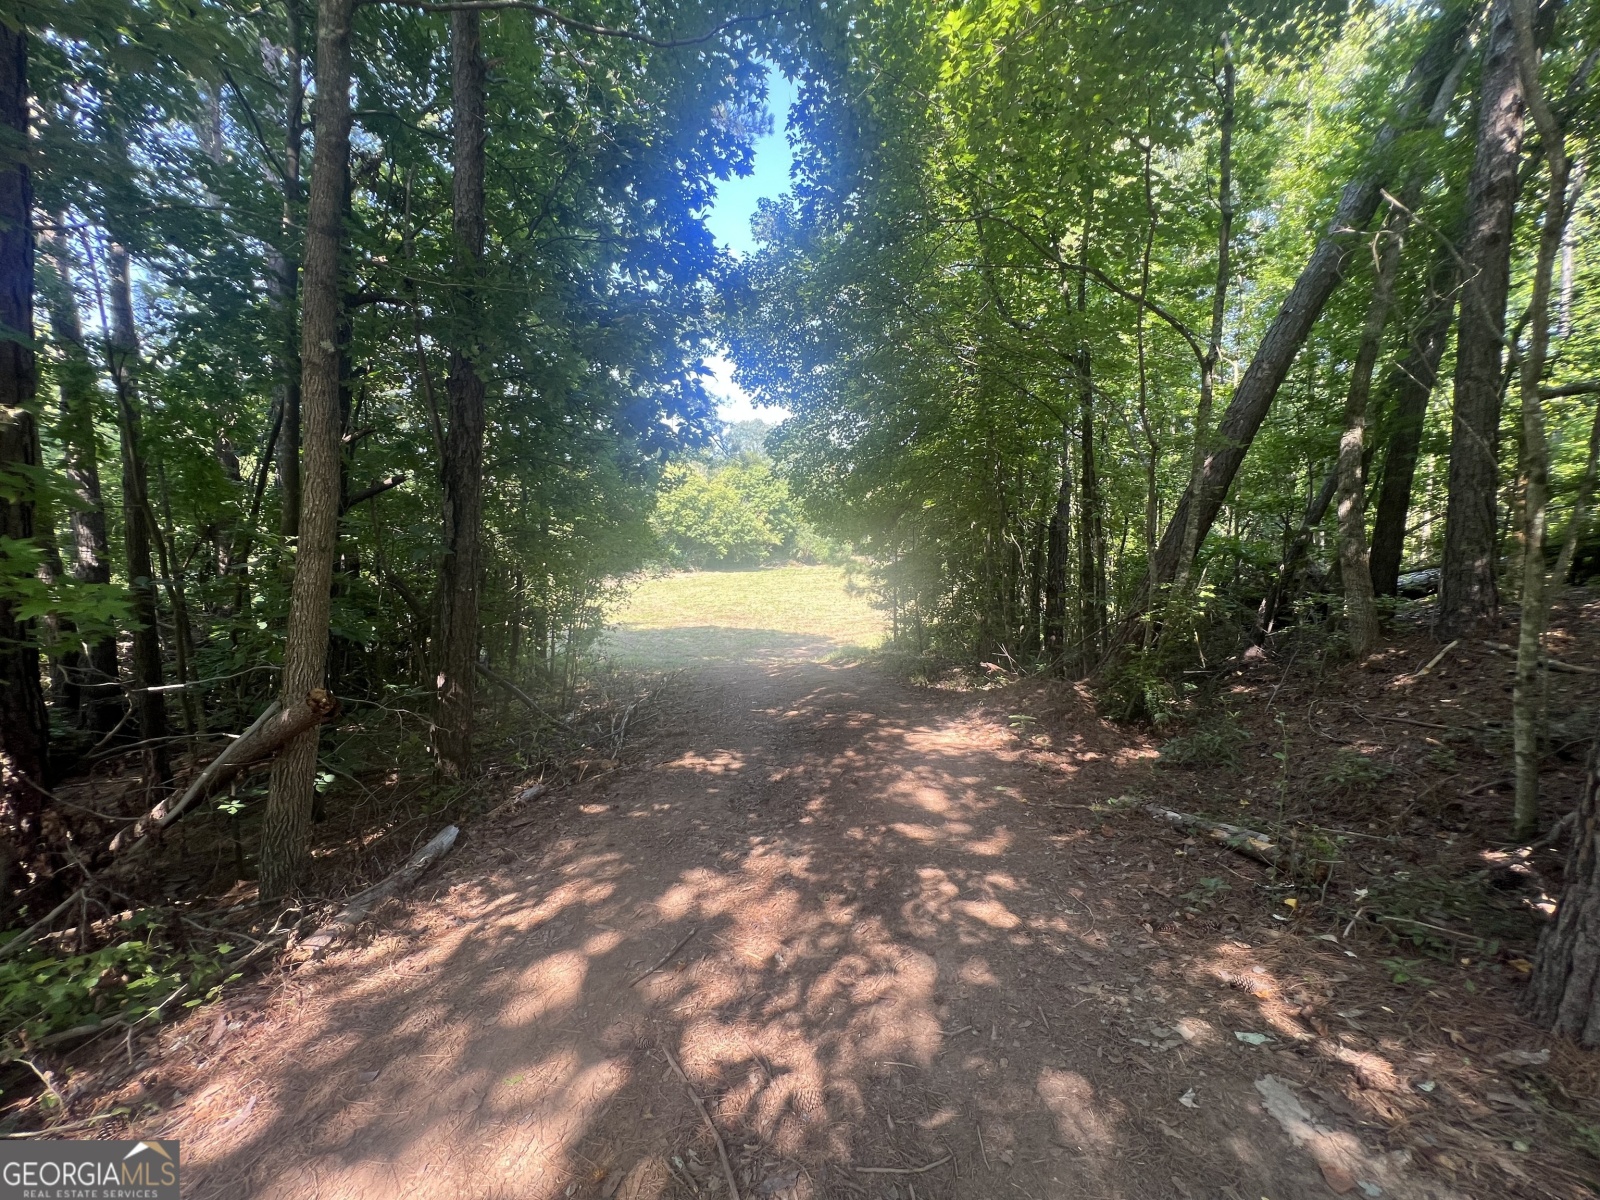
(908, 964)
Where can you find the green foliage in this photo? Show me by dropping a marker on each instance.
(736, 513)
(43, 993)
(1141, 688)
(1352, 770)
(1216, 743)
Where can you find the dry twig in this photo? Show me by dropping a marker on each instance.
(722, 1149)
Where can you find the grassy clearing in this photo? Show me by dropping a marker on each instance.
(692, 617)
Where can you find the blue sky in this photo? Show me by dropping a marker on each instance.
(729, 223)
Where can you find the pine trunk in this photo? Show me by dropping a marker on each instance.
(137, 527)
(463, 447)
(289, 799)
(1564, 992)
(24, 729)
(1467, 588)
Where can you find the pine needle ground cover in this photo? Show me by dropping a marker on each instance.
(684, 618)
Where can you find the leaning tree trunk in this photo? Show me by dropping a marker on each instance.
(289, 798)
(24, 729)
(463, 447)
(1253, 397)
(1467, 584)
(1564, 993)
(90, 558)
(137, 527)
(1410, 387)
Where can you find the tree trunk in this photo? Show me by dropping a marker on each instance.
(137, 527)
(289, 799)
(90, 560)
(1579, 517)
(1192, 533)
(463, 456)
(1252, 399)
(283, 281)
(1467, 586)
(1091, 524)
(1564, 992)
(1410, 386)
(24, 728)
(1360, 613)
(1527, 698)
(1267, 614)
(1057, 543)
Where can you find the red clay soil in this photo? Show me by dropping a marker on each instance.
(909, 953)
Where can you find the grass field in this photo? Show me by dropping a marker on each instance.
(779, 613)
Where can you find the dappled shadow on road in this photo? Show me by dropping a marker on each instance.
(894, 957)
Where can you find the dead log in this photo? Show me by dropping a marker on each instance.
(1234, 837)
(400, 880)
(270, 732)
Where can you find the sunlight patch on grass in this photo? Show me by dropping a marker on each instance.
(790, 613)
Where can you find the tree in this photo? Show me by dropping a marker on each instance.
(1468, 593)
(24, 732)
(462, 464)
(283, 839)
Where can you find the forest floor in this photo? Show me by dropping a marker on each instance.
(921, 941)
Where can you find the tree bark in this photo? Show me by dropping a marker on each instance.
(1410, 386)
(1360, 612)
(1091, 524)
(90, 562)
(463, 456)
(289, 798)
(1057, 543)
(284, 283)
(1579, 516)
(24, 728)
(1527, 698)
(1564, 992)
(137, 525)
(1467, 586)
(1252, 399)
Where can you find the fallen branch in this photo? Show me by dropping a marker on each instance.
(1435, 660)
(359, 905)
(1548, 663)
(270, 732)
(722, 1150)
(522, 797)
(902, 1170)
(43, 923)
(665, 959)
(1234, 837)
(501, 681)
